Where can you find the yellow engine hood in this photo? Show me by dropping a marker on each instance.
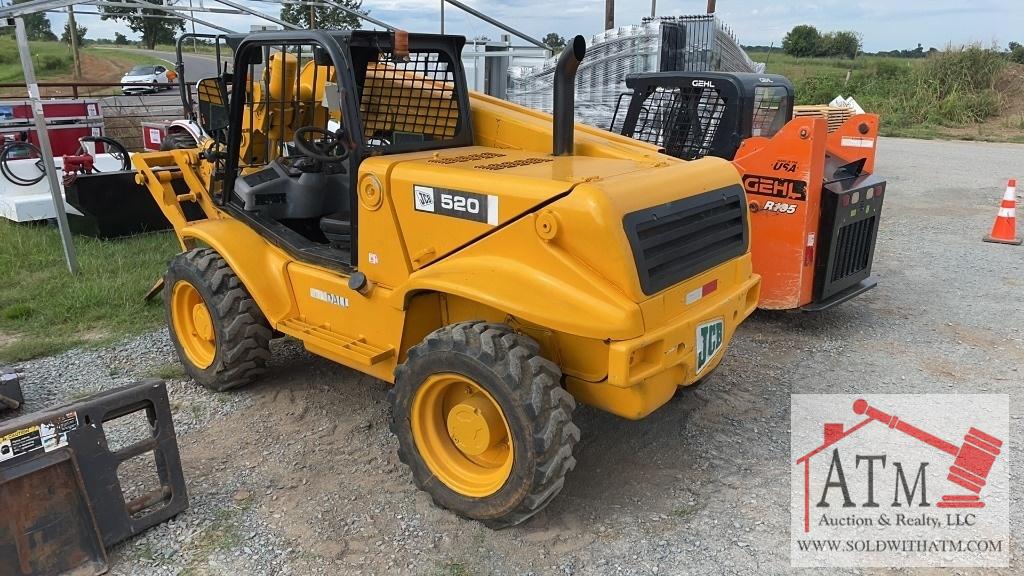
(445, 200)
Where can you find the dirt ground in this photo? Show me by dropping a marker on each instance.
(298, 474)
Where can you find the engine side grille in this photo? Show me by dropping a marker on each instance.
(675, 241)
(853, 248)
(847, 235)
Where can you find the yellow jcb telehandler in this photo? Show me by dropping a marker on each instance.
(495, 265)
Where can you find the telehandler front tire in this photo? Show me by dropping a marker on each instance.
(220, 334)
(483, 422)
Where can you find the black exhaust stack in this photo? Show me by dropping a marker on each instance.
(565, 96)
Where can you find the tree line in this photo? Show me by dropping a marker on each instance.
(165, 30)
(805, 40)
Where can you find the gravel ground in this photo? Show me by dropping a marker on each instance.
(299, 475)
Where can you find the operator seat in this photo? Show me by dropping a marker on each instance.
(287, 189)
(337, 228)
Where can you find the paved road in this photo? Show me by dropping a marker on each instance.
(196, 66)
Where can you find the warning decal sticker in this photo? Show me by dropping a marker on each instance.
(19, 442)
(48, 435)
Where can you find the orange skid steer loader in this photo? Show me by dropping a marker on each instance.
(813, 198)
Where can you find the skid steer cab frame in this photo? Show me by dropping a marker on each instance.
(495, 263)
(814, 202)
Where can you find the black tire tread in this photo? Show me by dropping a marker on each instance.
(243, 334)
(537, 384)
(177, 141)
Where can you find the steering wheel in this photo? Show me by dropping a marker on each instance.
(330, 148)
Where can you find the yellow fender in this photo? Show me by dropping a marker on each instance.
(544, 285)
(260, 265)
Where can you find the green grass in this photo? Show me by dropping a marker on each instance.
(453, 568)
(796, 69)
(172, 371)
(954, 89)
(51, 59)
(44, 310)
(128, 56)
(187, 49)
(54, 59)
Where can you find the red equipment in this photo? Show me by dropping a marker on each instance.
(75, 165)
(973, 460)
(67, 121)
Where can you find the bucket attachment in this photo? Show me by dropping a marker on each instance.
(113, 205)
(73, 482)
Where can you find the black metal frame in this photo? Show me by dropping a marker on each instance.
(179, 67)
(847, 239)
(340, 47)
(105, 513)
(11, 396)
(733, 125)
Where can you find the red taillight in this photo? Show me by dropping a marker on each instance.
(846, 200)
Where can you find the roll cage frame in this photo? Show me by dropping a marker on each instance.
(737, 90)
(337, 47)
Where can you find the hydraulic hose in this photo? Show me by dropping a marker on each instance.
(5, 158)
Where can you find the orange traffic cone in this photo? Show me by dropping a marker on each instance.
(1004, 231)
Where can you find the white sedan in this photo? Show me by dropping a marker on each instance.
(150, 75)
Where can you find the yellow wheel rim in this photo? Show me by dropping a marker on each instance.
(193, 324)
(462, 435)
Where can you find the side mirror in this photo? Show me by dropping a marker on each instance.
(213, 104)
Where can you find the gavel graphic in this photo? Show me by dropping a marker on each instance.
(972, 461)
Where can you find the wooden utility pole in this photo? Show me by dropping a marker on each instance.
(73, 30)
(654, 7)
(711, 6)
(609, 14)
(312, 17)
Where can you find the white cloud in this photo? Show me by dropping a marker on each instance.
(884, 24)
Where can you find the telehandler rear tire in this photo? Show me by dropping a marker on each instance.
(220, 334)
(483, 422)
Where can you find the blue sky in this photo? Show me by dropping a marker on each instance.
(884, 24)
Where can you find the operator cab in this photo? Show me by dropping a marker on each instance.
(696, 114)
(305, 107)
